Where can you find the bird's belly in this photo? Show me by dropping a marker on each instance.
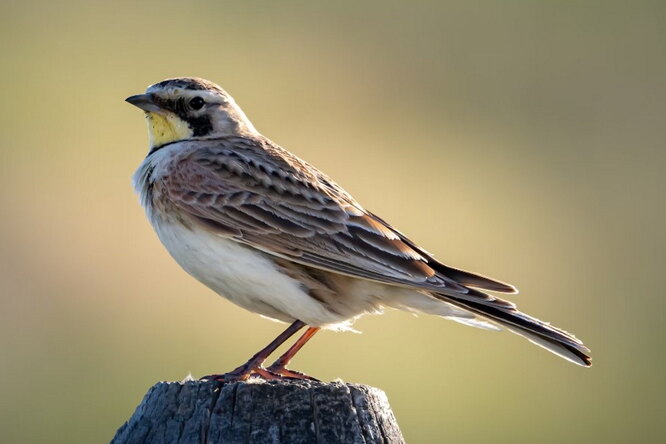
(242, 274)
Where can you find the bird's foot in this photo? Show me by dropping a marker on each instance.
(243, 373)
(226, 377)
(278, 370)
(285, 373)
(272, 373)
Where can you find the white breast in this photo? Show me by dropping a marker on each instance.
(245, 276)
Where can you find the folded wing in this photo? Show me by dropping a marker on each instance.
(279, 204)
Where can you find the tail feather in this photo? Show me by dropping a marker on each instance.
(538, 332)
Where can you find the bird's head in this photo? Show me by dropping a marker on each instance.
(189, 108)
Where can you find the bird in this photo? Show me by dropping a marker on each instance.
(276, 236)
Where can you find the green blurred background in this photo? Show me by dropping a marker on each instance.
(521, 139)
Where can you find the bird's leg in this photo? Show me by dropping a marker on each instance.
(279, 367)
(254, 364)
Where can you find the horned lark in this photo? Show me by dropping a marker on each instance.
(276, 236)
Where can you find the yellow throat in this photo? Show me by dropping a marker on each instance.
(166, 128)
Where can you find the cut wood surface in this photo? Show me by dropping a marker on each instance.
(260, 412)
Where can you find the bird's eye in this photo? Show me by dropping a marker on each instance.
(197, 103)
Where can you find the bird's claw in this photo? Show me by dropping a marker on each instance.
(272, 373)
(285, 373)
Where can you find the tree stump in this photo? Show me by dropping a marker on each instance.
(261, 412)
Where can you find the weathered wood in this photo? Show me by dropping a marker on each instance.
(297, 412)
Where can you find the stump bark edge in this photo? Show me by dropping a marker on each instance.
(261, 412)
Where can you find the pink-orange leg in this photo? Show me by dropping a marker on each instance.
(254, 365)
(279, 367)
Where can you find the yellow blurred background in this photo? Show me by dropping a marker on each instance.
(523, 140)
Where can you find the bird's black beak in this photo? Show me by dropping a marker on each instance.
(143, 101)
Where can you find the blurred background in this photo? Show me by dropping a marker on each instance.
(523, 140)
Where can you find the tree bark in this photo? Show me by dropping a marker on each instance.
(261, 412)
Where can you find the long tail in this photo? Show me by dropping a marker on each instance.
(540, 333)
